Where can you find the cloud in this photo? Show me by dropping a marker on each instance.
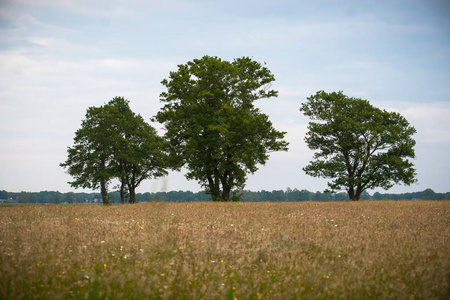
(431, 121)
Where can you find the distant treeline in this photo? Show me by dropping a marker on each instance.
(188, 196)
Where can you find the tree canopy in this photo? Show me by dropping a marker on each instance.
(358, 145)
(114, 142)
(212, 124)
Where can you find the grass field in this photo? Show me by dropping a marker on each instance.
(345, 250)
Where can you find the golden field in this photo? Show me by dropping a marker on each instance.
(197, 250)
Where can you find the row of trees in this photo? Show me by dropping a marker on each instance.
(291, 195)
(214, 130)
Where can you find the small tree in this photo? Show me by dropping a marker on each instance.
(89, 160)
(113, 142)
(139, 152)
(212, 124)
(359, 146)
(24, 197)
(71, 197)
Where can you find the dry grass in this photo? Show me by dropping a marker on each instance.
(378, 250)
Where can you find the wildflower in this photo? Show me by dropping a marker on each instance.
(231, 267)
(102, 242)
(221, 260)
(234, 288)
(104, 266)
(162, 274)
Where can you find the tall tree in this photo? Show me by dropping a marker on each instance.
(358, 145)
(212, 124)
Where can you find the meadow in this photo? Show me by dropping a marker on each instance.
(197, 250)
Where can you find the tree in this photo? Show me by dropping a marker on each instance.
(113, 142)
(89, 159)
(24, 197)
(212, 124)
(71, 197)
(359, 146)
(139, 152)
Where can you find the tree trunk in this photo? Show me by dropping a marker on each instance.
(104, 193)
(132, 191)
(358, 193)
(227, 180)
(122, 193)
(352, 195)
(214, 189)
(226, 193)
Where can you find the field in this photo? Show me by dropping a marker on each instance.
(308, 250)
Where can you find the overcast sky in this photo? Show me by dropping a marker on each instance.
(59, 57)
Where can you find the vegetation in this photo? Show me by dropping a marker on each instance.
(367, 250)
(359, 146)
(212, 124)
(113, 142)
(214, 129)
(289, 195)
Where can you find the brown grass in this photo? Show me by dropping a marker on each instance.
(378, 250)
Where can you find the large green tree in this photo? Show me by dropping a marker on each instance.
(358, 145)
(114, 142)
(212, 124)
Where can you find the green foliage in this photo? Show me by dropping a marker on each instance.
(212, 124)
(359, 146)
(89, 161)
(289, 195)
(71, 197)
(114, 142)
(24, 197)
(139, 153)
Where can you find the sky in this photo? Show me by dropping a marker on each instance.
(59, 57)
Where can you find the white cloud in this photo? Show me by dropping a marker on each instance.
(431, 121)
